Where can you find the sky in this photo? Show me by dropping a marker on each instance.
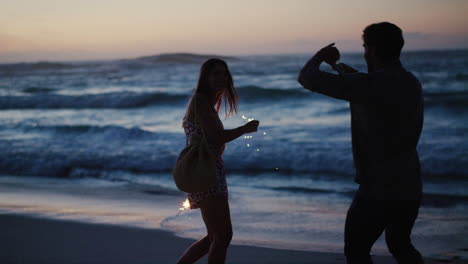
(60, 30)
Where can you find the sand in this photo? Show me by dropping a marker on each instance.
(26, 239)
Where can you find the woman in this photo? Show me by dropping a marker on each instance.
(214, 86)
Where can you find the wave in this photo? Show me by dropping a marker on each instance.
(447, 99)
(109, 132)
(437, 200)
(306, 190)
(257, 93)
(43, 97)
(432, 95)
(461, 77)
(120, 150)
(442, 200)
(38, 89)
(62, 163)
(138, 182)
(51, 150)
(41, 100)
(35, 66)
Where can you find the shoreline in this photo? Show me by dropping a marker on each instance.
(30, 239)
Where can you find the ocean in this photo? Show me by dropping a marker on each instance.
(96, 141)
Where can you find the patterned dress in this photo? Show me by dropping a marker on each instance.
(220, 188)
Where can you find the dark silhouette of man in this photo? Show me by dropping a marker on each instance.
(386, 121)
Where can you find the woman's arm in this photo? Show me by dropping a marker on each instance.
(231, 134)
(214, 134)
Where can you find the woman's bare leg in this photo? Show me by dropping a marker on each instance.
(217, 218)
(196, 251)
(216, 215)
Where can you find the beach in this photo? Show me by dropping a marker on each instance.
(94, 221)
(26, 239)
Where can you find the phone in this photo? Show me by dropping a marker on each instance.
(338, 67)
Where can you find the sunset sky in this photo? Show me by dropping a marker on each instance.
(33, 30)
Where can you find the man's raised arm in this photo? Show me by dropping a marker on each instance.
(353, 87)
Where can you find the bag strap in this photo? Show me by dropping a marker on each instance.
(194, 103)
(197, 119)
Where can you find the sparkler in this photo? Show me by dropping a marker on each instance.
(185, 206)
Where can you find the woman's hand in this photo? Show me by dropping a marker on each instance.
(231, 134)
(251, 126)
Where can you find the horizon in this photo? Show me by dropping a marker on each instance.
(214, 55)
(52, 30)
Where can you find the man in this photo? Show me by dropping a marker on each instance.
(386, 121)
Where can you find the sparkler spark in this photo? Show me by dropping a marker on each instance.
(248, 119)
(185, 206)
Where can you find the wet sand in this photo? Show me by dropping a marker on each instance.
(25, 239)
